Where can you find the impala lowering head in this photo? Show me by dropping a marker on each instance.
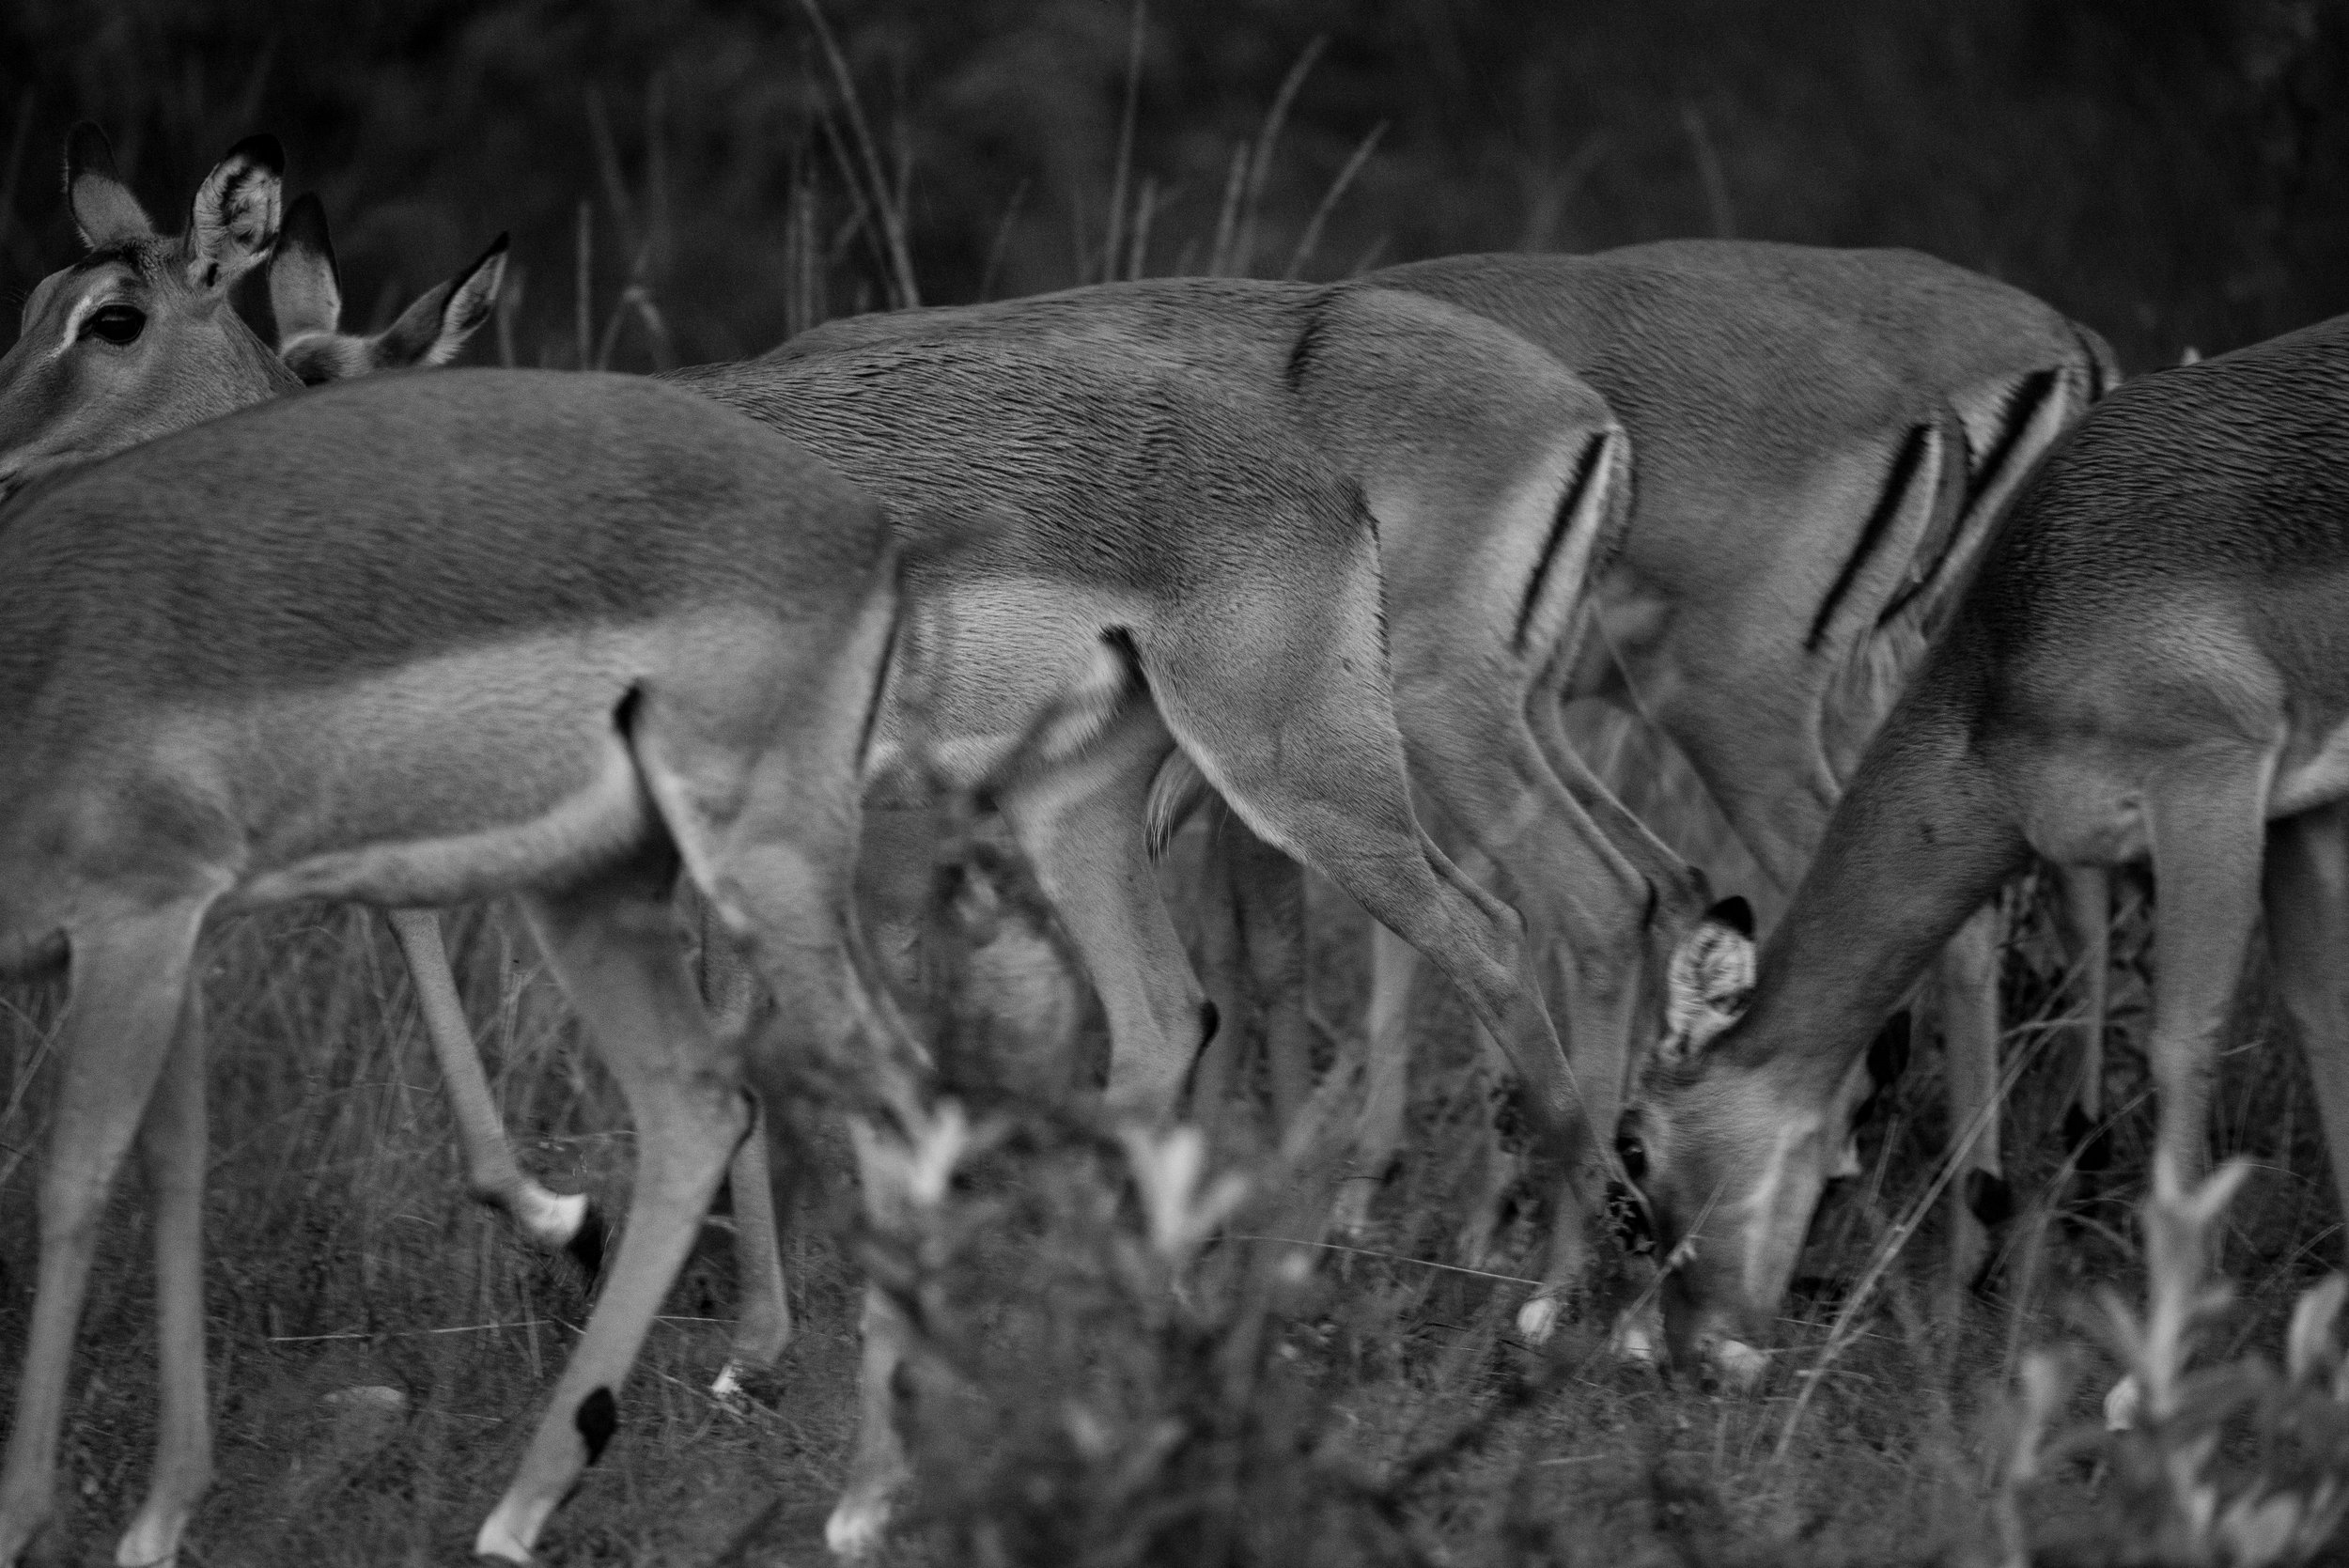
(1732, 1173)
(138, 338)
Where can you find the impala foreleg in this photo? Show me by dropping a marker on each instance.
(557, 1222)
(172, 1146)
(2206, 819)
(614, 946)
(130, 975)
(2307, 934)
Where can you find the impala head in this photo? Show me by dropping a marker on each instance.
(305, 294)
(1731, 1143)
(138, 338)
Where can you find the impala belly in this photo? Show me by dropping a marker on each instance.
(436, 781)
(991, 669)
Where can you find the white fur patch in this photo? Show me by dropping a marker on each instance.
(1709, 979)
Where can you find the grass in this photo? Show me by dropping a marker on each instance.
(1085, 1373)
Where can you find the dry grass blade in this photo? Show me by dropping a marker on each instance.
(1227, 216)
(1244, 256)
(1111, 244)
(1001, 243)
(582, 282)
(17, 140)
(1841, 1333)
(1709, 171)
(906, 294)
(1310, 239)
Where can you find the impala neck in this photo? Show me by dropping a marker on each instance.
(1920, 841)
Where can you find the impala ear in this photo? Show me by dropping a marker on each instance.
(305, 291)
(105, 210)
(430, 331)
(1709, 980)
(234, 221)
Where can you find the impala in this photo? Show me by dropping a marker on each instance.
(139, 339)
(2146, 666)
(1824, 440)
(396, 642)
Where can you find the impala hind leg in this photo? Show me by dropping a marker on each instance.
(554, 1222)
(130, 975)
(762, 1321)
(1080, 826)
(1387, 1083)
(1308, 765)
(2307, 897)
(614, 945)
(1252, 940)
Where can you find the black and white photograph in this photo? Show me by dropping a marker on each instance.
(1175, 784)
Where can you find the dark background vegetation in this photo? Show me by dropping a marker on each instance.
(2170, 171)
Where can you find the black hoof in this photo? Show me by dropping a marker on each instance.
(587, 1244)
(2090, 1141)
(1988, 1198)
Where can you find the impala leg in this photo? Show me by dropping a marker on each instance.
(1386, 1083)
(131, 976)
(2087, 892)
(172, 1146)
(877, 1469)
(1269, 909)
(556, 1222)
(1222, 1084)
(770, 840)
(2207, 821)
(1586, 904)
(2308, 933)
(1969, 1039)
(614, 945)
(762, 1324)
(1348, 812)
(1079, 824)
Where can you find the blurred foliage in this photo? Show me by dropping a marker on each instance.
(2167, 170)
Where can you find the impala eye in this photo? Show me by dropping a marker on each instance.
(116, 324)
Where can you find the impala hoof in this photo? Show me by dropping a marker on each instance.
(2122, 1404)
(1638, 1337)
(507, 1534)
(1538, 1318)
(1738, 1364)
(857, 1526)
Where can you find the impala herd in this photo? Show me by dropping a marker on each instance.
(1913, 588)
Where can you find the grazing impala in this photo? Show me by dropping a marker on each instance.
(1824, 440)
(1832, 433)
(2148, 664)
(1178, 561)
(385, 642)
